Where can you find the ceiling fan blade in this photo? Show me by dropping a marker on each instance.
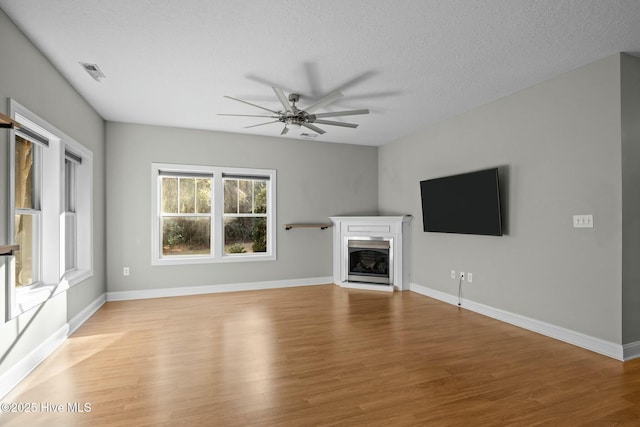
(283, 98)
(261, 124)
(284, 130)
(332, 123)
(246, 115)
(332, 97)
(343, 113)
(313, 128)
(253, 105)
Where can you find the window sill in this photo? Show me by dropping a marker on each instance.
(213, 260)
(30, 297)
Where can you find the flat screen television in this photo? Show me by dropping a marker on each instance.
(467, 203)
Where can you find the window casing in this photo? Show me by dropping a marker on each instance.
(207, 214)
(56, 245)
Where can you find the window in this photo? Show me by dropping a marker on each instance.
(245, 215)
(51, 212)
(185, 214)
(211, 214)
(27, 210)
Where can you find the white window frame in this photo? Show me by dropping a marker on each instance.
(217, 214)
(54, 278)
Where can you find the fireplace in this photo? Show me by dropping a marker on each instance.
(370, 260)
(371, 252)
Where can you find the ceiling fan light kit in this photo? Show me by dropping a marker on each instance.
(294, 118)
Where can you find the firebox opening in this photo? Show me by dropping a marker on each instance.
(369, 261)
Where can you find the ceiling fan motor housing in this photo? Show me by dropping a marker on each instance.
(294, 97)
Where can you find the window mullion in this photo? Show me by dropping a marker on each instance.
(217, 213)
(237, 196)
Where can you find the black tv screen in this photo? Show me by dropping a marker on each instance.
(468, 203)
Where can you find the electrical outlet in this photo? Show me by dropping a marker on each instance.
(469, 277)
(453, 274)
(462, 275)
(583, 221)
(125, 271)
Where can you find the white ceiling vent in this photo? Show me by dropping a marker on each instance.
(308, 135)
(93, 70)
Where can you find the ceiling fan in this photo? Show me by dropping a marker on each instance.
(293, 118)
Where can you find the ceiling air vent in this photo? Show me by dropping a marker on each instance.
(93, 70)
(308, 135)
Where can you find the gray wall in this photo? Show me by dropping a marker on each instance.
(27, 77)
(314, 181)
(630, 82)
(560, 144)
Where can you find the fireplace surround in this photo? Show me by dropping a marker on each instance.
(371, 252)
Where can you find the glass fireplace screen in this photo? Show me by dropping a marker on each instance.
(369, 261)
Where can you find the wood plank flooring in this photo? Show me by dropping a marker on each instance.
(320, 355)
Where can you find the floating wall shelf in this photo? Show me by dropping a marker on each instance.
(8, 250)
(320, 226)
(8, 122)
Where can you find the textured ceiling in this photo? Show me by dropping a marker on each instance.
(411, 62)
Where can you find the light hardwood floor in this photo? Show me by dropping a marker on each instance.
(320, 355)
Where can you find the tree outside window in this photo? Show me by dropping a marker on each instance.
(27, 208)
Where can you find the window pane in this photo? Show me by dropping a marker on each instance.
(245, 235)
(260, 195)
(70, 241)
(186, 236)
(25, 234)
(169, 195)
(230, 196)
(204, 195)
(69, 186)
(24, 174)
(245, 196)
(187, 195)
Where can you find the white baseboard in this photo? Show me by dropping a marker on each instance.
(213, 289)
(19, 371)
(85, 314)
(588, 342)
(631, 350)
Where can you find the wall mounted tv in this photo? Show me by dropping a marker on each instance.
(468, 203)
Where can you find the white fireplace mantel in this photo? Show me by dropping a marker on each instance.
(394, 228)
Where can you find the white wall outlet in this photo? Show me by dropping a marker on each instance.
(583, 221)
(453, 274)
(462, 275)
(125, 271)
(469, 277)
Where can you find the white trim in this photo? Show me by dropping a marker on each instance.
(20, 370)
(631, 351)
(217, 215)
(214, 289)
(52, 225)
(579, 339)
(367, 286)
(79, 319)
